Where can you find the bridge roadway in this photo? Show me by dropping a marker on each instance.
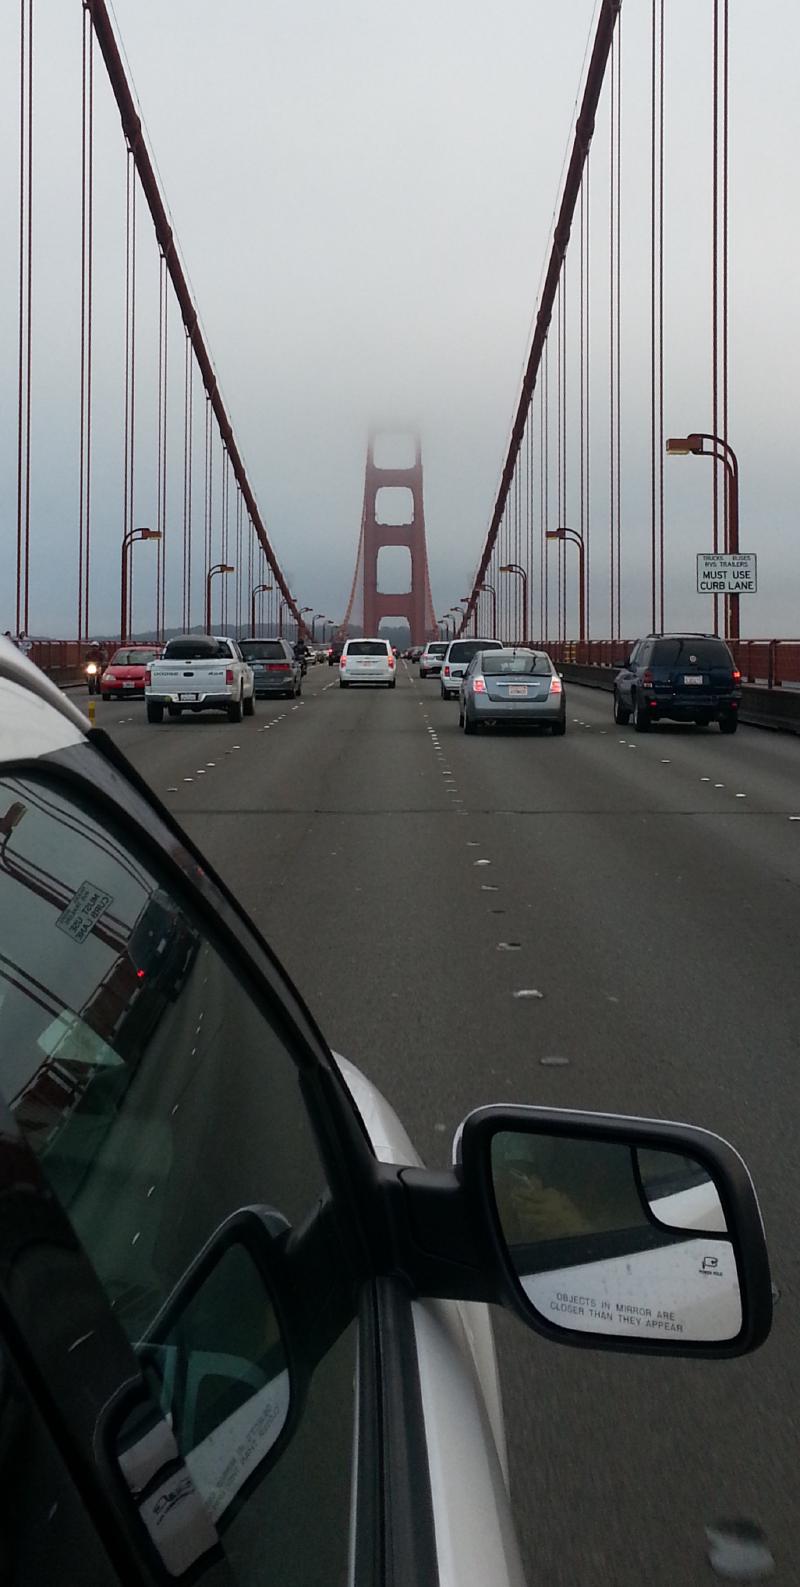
(653, 886)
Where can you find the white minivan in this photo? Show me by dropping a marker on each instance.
(367, 661)
(457, 658)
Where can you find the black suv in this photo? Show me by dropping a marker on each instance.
(687, 677)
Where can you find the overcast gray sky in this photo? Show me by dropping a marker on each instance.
(363, 194)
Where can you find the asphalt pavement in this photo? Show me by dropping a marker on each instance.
(412, 881)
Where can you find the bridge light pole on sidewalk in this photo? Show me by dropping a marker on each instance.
(577, 539)
(127, 541)
(314, 622)
(692, 445)
(489, 589)
(465, 600)
(514, 567)
(281, 604)
(258, 589)
(219, 567)
(301, 626)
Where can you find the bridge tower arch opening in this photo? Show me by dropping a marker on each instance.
(394, 516)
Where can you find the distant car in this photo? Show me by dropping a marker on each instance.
(370, 661)
(125, 672)
(685, 677)
(431, 658)
(275, 667)
(457, 657)
(518, 686)
(334, 652)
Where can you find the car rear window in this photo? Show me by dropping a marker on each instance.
(132, 658)
(689, 652)
(367, 647)
(262, 650)
(530, 665)
(436, 650)
(195, 650)
(465, 649)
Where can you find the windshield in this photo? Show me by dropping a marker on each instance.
(262, 650)
(133, 658)
(533, 664)
(367, 647)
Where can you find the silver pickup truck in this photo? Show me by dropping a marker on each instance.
(200, 672)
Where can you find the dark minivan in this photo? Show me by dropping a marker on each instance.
(686, 677)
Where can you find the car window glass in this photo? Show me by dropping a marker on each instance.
(690, 652)
(132, 658)
(530, 665)
(159, 1099)
(44, 1520)
(367, 647)
(195, 649)
(263, 650)
(436, 650)
(464, 649)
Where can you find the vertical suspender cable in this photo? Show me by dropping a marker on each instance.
(542, 541)
(207, 500)
(611, 346)
(562, 548)
(529, 549)
(224, 527)
(546, 520)
(188, 373)
(25, 314)
(587, 529)
(87, 254)
(618, 324)
(161, 507)
(559, 501)
(724, 283)
(661, 614)
(715, 281)
(130, 360)
(239, 578)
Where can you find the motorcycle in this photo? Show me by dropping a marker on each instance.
(92, 670)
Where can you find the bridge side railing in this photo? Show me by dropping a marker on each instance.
(769, 663)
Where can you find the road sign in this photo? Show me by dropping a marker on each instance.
(723, 573)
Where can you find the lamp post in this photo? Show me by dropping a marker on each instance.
(465, 600)
(300, 624)
(219, 567)
(314, 621)
(127, 541)
(577, 539)
(515, 567)
(489, 589)
(281, 604)
(692, 445)
(444, 625)
(258, 589)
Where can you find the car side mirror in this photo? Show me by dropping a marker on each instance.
(218, 1361)
(618, 1232)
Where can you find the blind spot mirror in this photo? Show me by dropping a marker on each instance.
(607, 1238)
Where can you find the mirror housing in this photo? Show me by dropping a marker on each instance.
(617, 1233)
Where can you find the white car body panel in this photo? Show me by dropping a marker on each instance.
(27, 698)
(357, 668)
(461, 1400)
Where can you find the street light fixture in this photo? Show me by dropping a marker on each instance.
(515, 567)
(314, 621)
(489, 589)
(127, 541)
(219, 567)
(577, 539)
(692, 445)
(258, 589)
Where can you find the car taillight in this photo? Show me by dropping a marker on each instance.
(229, 674)
(647, 679)
(342, 661)
(148, 678)
(736, 675)
(555, 685)
(391, 661)
(479, 684)
(446, 671)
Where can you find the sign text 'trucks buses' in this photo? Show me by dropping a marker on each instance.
(726, 573)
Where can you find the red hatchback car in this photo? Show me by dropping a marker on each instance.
(125, 672)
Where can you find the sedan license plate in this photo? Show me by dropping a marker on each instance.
(126, 684)
(700, 681)
(518, 689)
(188, 697)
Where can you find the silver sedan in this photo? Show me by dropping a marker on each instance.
(512, 685)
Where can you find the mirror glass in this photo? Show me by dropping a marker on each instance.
(218, 1368)
(614, 1239)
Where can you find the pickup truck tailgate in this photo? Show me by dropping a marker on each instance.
(189, 679)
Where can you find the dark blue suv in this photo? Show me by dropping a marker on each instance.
(686, 677)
